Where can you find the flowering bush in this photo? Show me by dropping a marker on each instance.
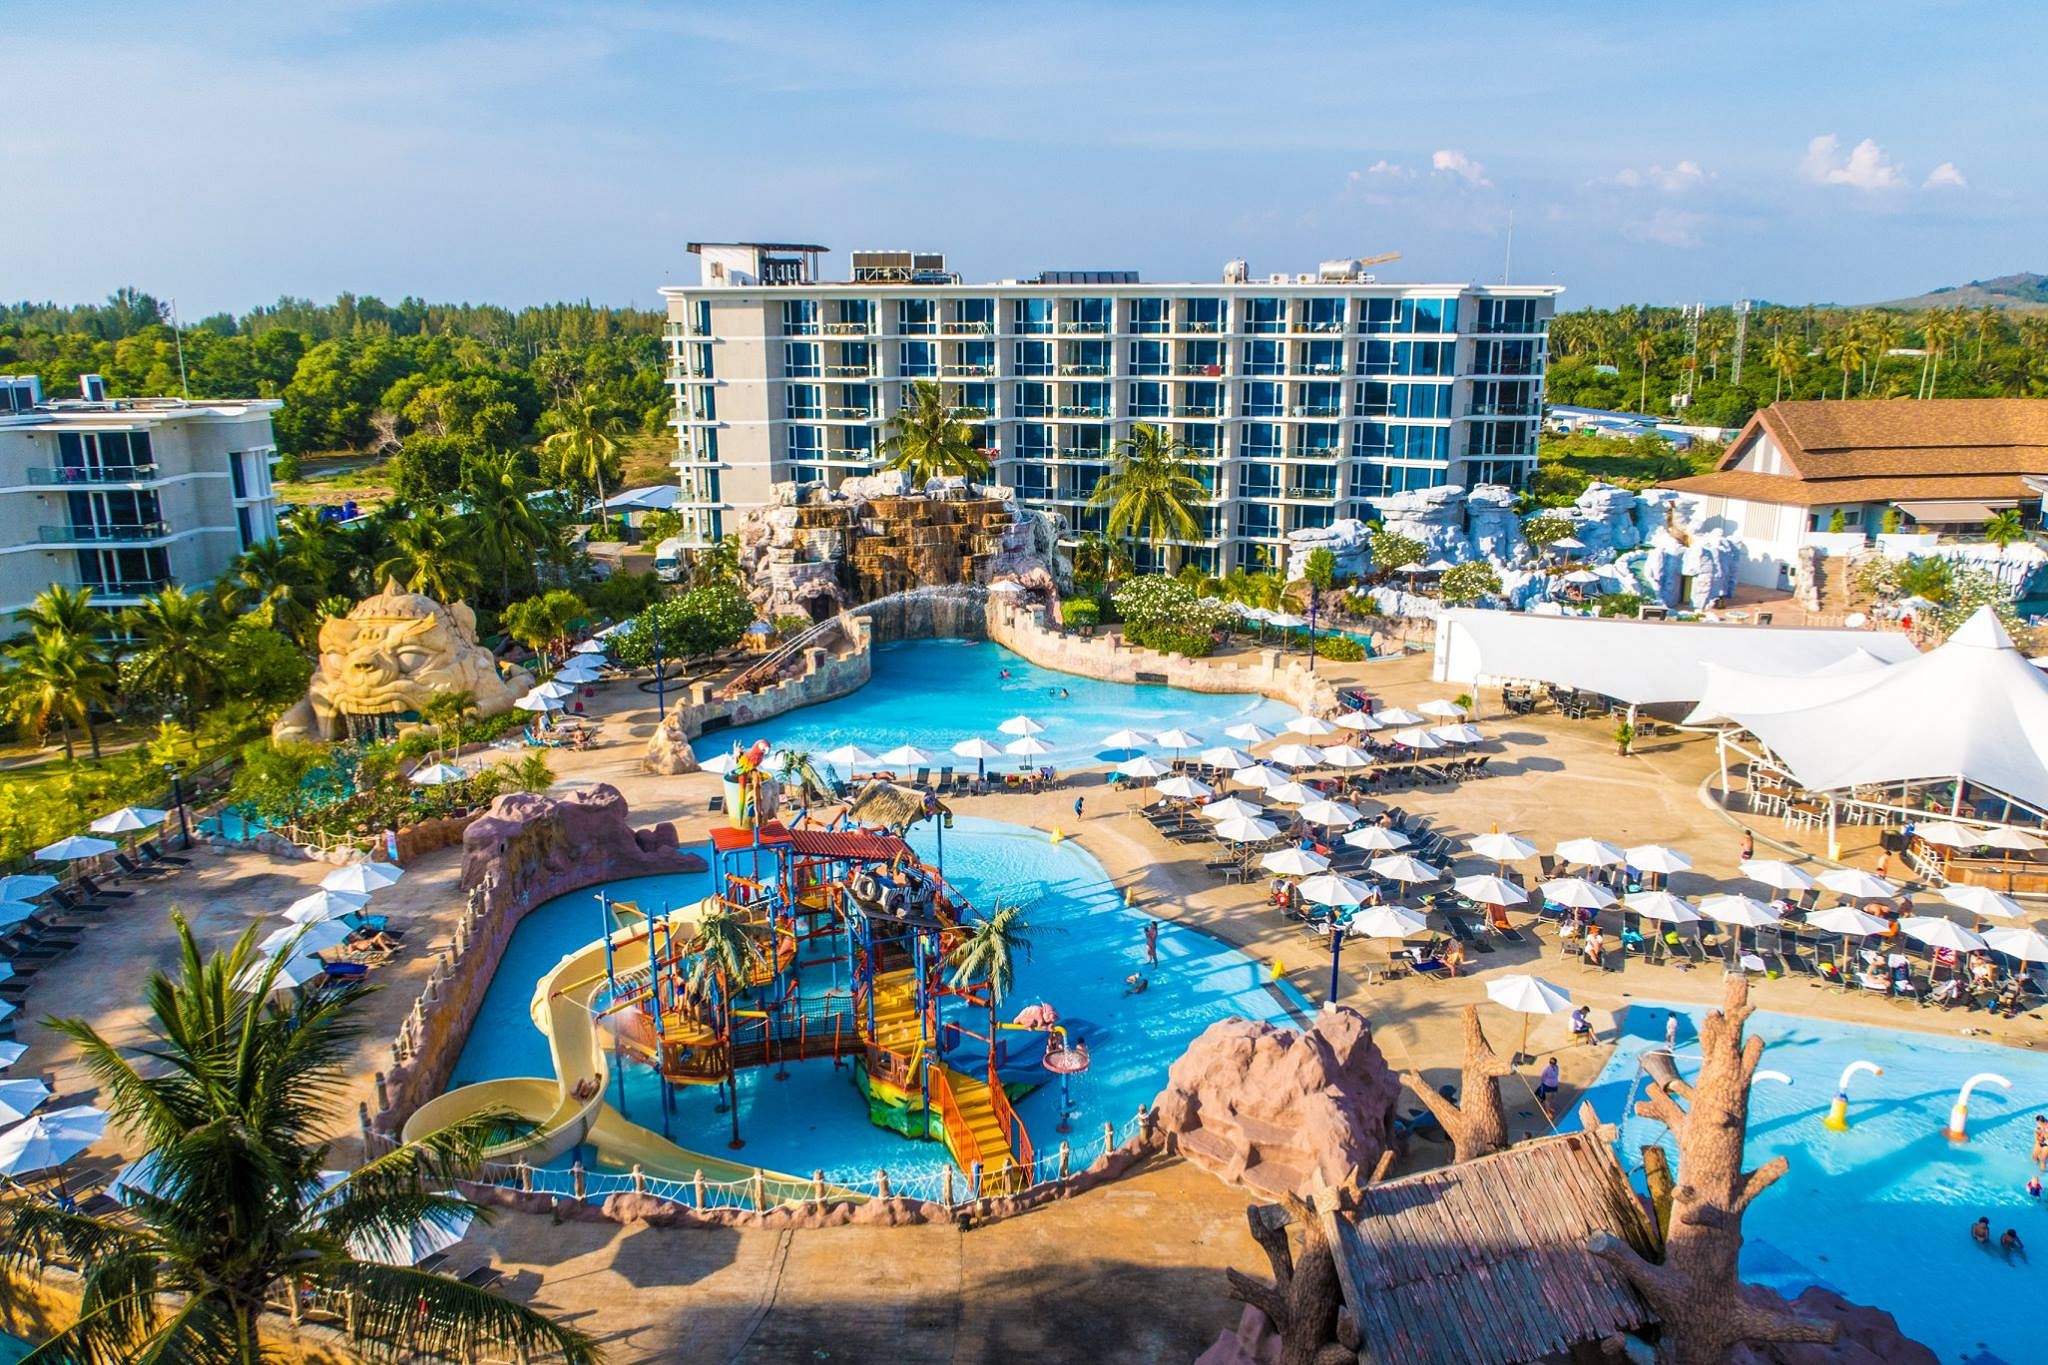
(1164, 614)
(1470, 583)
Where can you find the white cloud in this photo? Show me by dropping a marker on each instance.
(1865, 167)
(1667, 227)
(1945, 176)
(1672, 180)
(1389, 168)
(1450, 161)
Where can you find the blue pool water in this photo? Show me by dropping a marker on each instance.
(935, 693)
(1085, 943)
(1881, 1213)
(13, 1349)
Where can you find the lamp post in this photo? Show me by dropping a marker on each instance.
(178, 802)
(1337, 933)
(660, 696)
(1311, 627)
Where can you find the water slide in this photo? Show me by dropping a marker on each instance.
(560, 1119)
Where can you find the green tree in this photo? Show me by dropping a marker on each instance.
(540, 623)
(700, 622)
(52, 676)
(1850, 352)
(1785, 358)
(532, 773)
(447, 709)
(1320, 569)
(930, 438)
(718, 562)
(582, 451)
(1391, 550)
(270, 573)
(275, 779)
(988, 953)
(1470, 583)
(238, 1091)
(507, 529)
(428, 467)
(430, 554)
(1838, 522)
(64, 611)
(1152, 491)
(177, 653)
(2005, 528)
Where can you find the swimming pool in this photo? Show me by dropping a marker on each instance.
(935, 693)
(1085, 943)
(1881, 1213)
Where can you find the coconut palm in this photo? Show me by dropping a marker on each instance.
(56, 677)
(722, 950)
(2005, 528)
(1646, 351)
(532, 773)
(59, 610)
(177, 648)
(446, 708)
(269, 573)
(1987, 325)
(1849, 351)
(506, 527)
(718, 562)
(1151, 491)
(582, 447)
(429, 554)
(929, 438)
(988, 951)
(540, 623)
(237, 1093)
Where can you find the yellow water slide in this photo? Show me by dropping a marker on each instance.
(562, 1117)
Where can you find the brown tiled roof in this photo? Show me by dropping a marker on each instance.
(1783, 488)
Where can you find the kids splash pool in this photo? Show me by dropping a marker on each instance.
(935, 693)
(1880, 1213)
(801, 1117)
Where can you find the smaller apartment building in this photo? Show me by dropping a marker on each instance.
(128, 496)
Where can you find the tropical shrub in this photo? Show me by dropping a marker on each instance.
(1545, 528)
(702, 621)
(1470, 583)
(1165, 614)
(1392, 550)
(1321, 568)
(1619, 604)
(1340, 648)
(1080, 612)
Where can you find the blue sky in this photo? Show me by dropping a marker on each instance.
(520, 153)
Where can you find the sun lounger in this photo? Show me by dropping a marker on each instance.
(483, 1277)
(154, 852)
(127, 865)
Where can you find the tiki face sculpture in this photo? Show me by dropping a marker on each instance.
(387, 658)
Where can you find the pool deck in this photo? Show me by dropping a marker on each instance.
(1154, 1290)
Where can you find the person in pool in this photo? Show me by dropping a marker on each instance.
(2034, 1186)
(2009, 1243)
(1136, 984)
(2041, 1142)
(1980, 1232)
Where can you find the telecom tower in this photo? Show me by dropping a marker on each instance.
(1741, 335)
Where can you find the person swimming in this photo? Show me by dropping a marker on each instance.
(1006, 673)
(2034, 1186)
(1980, 1232)
(1136, 984)
(2009, 1243)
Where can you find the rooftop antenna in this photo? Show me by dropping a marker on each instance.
(1507, 265)
(178, 334)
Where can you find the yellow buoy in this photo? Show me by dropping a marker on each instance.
(1056, 835)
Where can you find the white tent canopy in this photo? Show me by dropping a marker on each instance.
(1971, 709)
(1641, 663)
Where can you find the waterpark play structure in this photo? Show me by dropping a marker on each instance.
(824, 941)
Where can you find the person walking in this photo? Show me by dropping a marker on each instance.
(1152, 942)
(1671, 1033)
(1077, 808)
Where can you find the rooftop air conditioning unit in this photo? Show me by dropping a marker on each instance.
(1237, 271)
(92, 388)
(1277, 277)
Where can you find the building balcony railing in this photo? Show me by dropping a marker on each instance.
(800, 329)
(1534, 329)
(1084, 371)
(1510, 368)
(1318, 326)
(849, 414)
(805, 414)
(1149, 413)
(1034, 410)
(1202, 327)
(801, 372)
(1317, 410)
(1197, 410)
(1034, 371)
(1083, 453)
(968, 371)
(87, 535)
(1084, 328)
(128, 587)
(65, 474)
(849, 372)
(1150, 329)
(1313, 494)
(1149, 371)
(1319, 369)
(1083, 410)
(919, 372)
(849, 329)
(1528, 409)
(972, 329)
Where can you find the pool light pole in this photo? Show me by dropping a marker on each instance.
(178, 802)
(1311, 628)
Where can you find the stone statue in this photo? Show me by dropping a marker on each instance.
(380, 664)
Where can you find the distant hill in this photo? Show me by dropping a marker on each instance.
(2025, 290)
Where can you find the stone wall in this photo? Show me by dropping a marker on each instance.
(822, 675)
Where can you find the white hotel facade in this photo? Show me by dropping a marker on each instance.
(1302, 398)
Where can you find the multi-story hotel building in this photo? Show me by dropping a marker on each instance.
(126, 496)
(1302, 398)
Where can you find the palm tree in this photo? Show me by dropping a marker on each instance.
(1849, 351)
(1150, 492)
(583, 447)
(53, 676)
(445, 708)
(1939, 331)
(928, 438)
(505, 525)
(1646, 351)
(1882, 332)
(544, 621)
(718, 562)
(429, 555)
(1784, 358)
(270, 574)
(2005, 528)
(59, 610)
(237, 1093)
(177, 635)
(988, 952)
(532, 773)
(1988, 323)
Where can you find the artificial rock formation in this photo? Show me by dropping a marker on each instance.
(1282, 1112)
(1348, 540)
(528, 847)
(1478, 1122)
(1495, 527)
(1434, 518)
(382, 663)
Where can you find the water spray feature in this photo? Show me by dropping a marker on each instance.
(1838, 1112)
(1958, 1129)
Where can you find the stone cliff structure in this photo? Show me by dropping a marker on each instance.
(382, 663)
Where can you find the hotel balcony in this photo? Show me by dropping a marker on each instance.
(1531, 408)
(848, 329)
(1084, 328)
(66, 474)
(99, 535)
(849, 372)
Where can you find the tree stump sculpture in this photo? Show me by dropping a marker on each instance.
(1696, 1293)
(1478, 1123)
(1304, 1303)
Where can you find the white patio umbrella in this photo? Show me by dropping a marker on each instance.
(1227, 758)
(74, 847)
(1296, 756)
(1294, 862)
(1744, 911)
(1243, 830)
(1662, 905)
(1577, 893)
(718, 765)
(1938, 931)
(1339, 892)
(1181, 787)
(589, 648)
(1260, 777)
(1438, 565)
(2024, 944)
(1345, 756)
(1847, 921)
(19, 1099)
(1590, 853)
(1007, 586)
(128, 820)
(1377, 837)
(1233, 808)
(905, 756)
(292, 973)
(1028, 746)
(1948, 834)
(1286, 620)
(554, 689)
(2011, 839)
(536, 701)
(1567, 543)
(10, 1053)
(1658, 858)
(1311, 726)
(1527, 996)
(21, 886)
(1982, 900)
(415, 1243)
(437, 775)
(1387, 921)
(325, 905)
(1489, 890)
(1459, 734)
(977, 748)
(1293, 794)
(1438, 706)
(360, 879)
(1403, 867)
(1420, 740)
(1502, 848)
(1177, 739)
(1126, 739)
(1401, 716)
(316, 937)
(1857, 884)
(1249, 732)
(1144, 765)
(1329, 814)
(50, 1139)
(1021, 725)
(1779, 876)
(852, 756)
(1359, 721)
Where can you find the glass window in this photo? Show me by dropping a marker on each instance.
(1265, 400)
(1148, 315)
(1201, 400)
(806, 443)
(1201, 357)
(918, 359)
(700, 361)
(1322, 357)
(978, 355)
(804, 401)
(857, 441)
(1034, 400)
(1324, 399)
(1318, 439)
(1265, 357)
(856, 359)
(237, 476)
(1508, 315)
(1265, 315)
(1090, 443)
(800, 317)
(1148, 357)
(917, 317)
(1323, 315)
(1507, 357)
(976, 315)
(856, 400)
(978, 397)
(1090, 315)
(1207, 315)
(1149, 400)
(1033, 357)
(800, 359)
(1264, 440)
(1201, 440)
(1088, 357)
(853, 315)
(1031, 316)
(1088, 400)
(1034, 439)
